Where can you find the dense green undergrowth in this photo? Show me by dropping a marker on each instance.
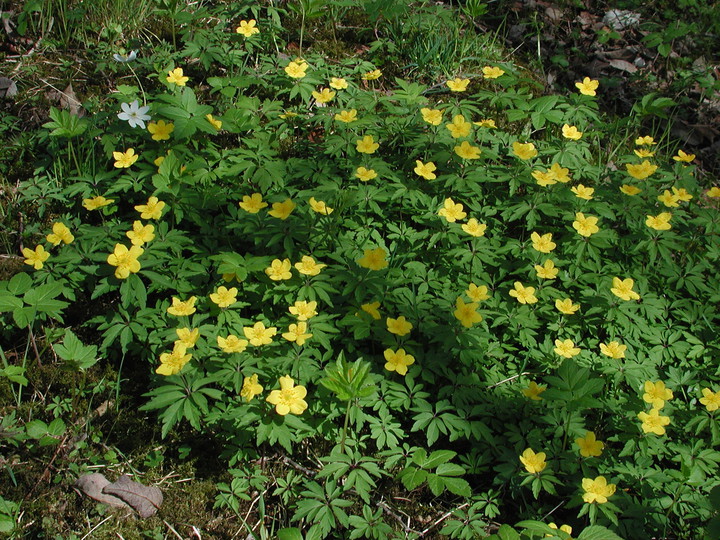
(439, 303)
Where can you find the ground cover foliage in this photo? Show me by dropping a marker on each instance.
(386, 300)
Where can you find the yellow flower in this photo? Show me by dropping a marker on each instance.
(141, 234)
(248, 28)
(60, 233)
(564, 528)
(647, 140)
(653, 422)
(338, 83)
(682, 194)
(452, 211)
(710, 399)
(232, 344)
(589, 445)
(324, 96)
(372, 309)
(399, 326)
(582, 192)
(432, 116)
(397, 361)
(125, 260)
(524, 150)
(459, 127)
(661, 222)
(224, 297)
(152, 210)
(287, 114)
(533, 463)
(252, 203)
(623, 289)
(544, 243)
(641, 171)
(250, 388)
(571, 132)
(585, 226)
(467, 151)
(282, 210)
(477, 293)
(466, 313)
(259, 335)
(524, 295)
(486, 123)
(588, 86)
(320, 207)
(426, 170)
(367, 145)
(214, 122)
(296, 69)
(124, 160)
(297, 333)
(187, 337)
(308, 266)
(630, 190)
(374, 259)
(643, 153)
(474, 228)
(35, 257)
(279, 270)
(95, 203)
(172, 363)
(713, 192)
(458, 84)
(289, 399)
(346, 116)
(492, 72)
(597, 491)
(566, 306)
(544, 179)
(566, 348)
(656, 394)
(533, 391)
(669, 199)
(180, 309)
(613, 349)
(372, 75)
(365, 175)
(161, 130)
(547, 271)
(558, 173)
(303, 310)
(176, 76)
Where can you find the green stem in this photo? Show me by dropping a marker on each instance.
(345, 426)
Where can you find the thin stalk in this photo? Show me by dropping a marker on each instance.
(345, 426)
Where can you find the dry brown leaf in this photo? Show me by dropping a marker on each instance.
(623, 65)
(92, 485)
(69, 101)
(145, 500)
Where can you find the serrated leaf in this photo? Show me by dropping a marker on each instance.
(437, 458)
(413, 477)
(597, 532)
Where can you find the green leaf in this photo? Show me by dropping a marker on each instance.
(449, 469)
(75, 353)
(597, 532)
(437, 458)
(412, 477)
(290, 533)
(42, 298)
(436, 484)
(8, 302)
(19, 284)
(458, 486)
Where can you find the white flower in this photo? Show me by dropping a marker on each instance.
(124, 59)
(133, 114)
